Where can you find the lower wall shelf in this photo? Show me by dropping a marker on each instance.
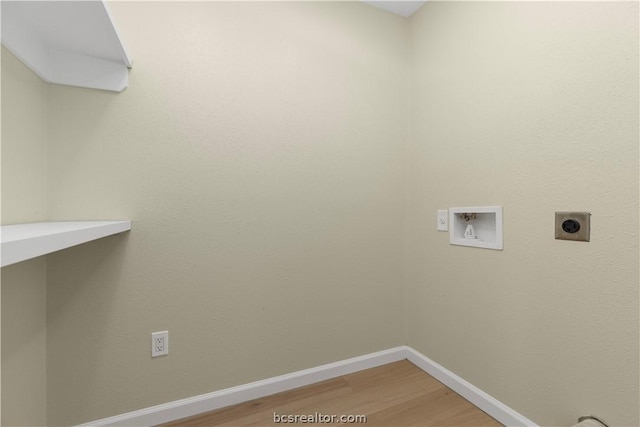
(21, 242)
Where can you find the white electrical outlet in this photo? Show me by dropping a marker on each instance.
(159, 343)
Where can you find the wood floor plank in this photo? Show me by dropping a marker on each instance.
(442, 407)
(472, 417)
(368, 401)
(381, 375)
(427, 382)
(255, 410)
(398, 394)
(293, 406)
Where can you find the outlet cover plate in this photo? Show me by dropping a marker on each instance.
(574, 226)
(159, 343)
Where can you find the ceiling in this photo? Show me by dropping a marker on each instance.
(403, 8)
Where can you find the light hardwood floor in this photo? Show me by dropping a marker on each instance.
(397, 394)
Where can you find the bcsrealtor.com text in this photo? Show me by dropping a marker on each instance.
(318, 418)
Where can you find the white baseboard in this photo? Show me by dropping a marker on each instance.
(219, 399)
(208, 402)
(473, 394)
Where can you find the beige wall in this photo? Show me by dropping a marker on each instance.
(23, 285)
(260, 150)
(533, 106)
(259, 153)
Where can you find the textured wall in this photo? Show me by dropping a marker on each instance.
(23, 285)
(259, 151)
(533, 106)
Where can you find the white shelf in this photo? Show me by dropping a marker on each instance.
(71, 43)
(21, 242)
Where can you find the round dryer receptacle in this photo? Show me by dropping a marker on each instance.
(571, 226)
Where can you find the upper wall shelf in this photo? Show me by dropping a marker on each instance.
(72, 43)
(21, 242)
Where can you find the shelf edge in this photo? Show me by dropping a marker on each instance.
(15, 251)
